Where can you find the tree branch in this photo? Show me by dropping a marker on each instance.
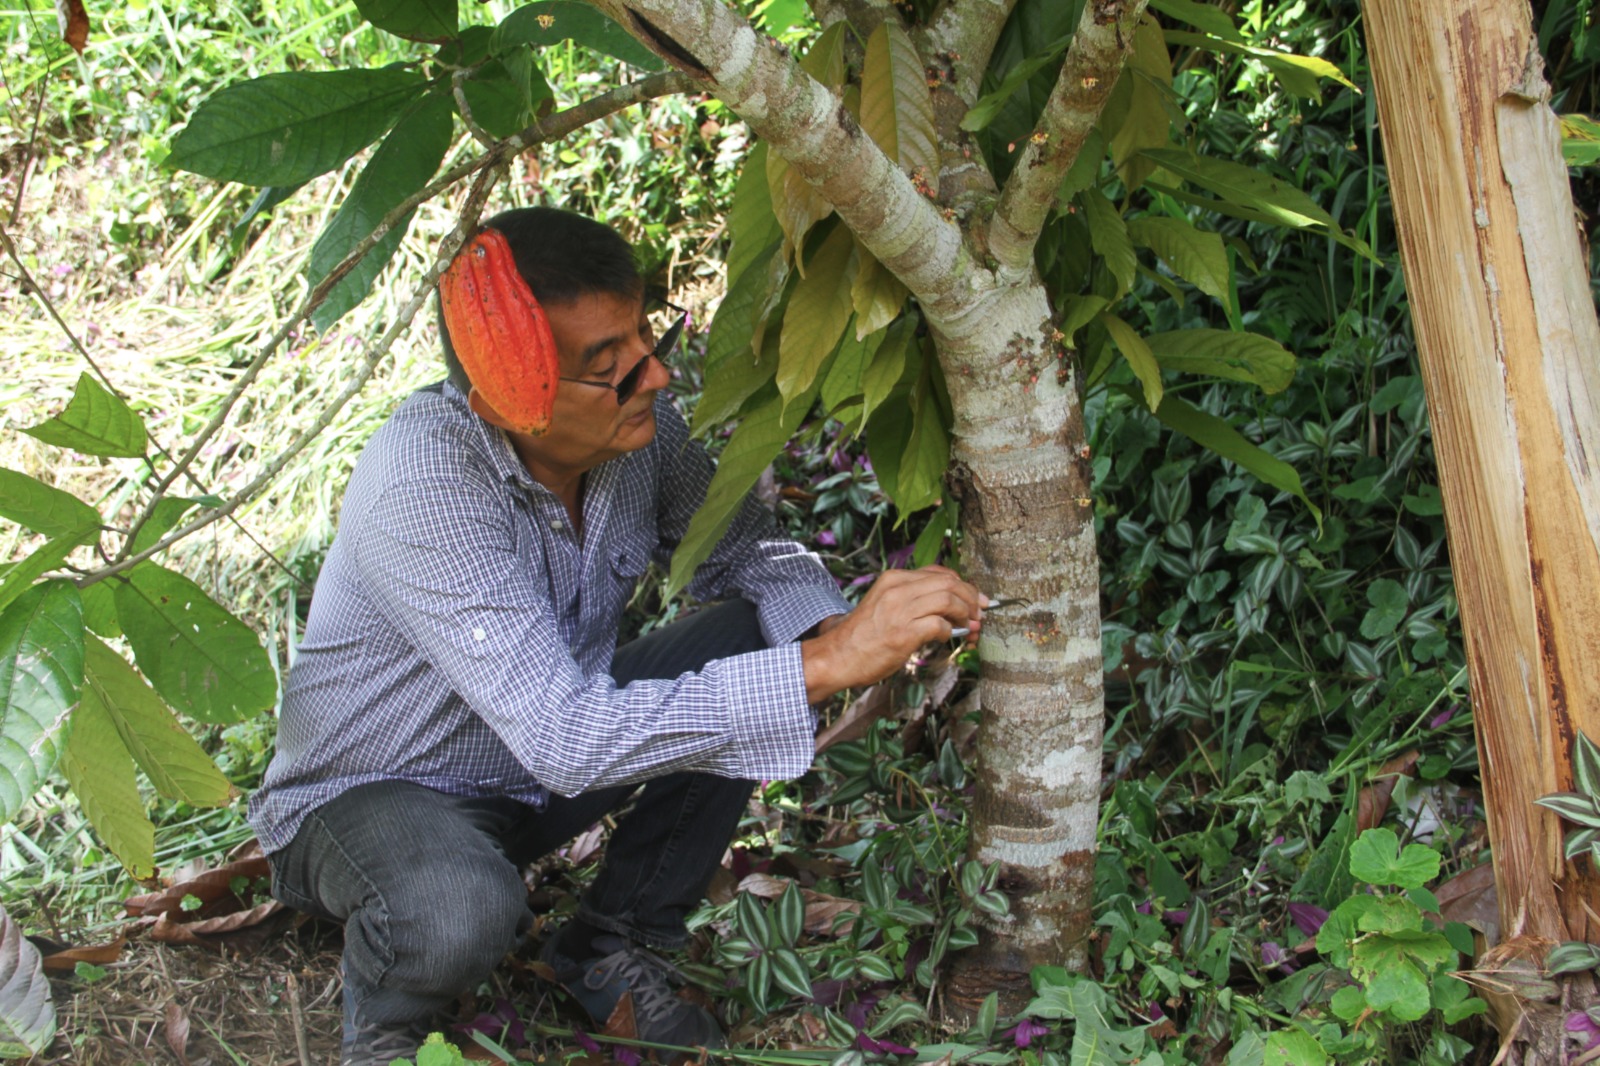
(969, 29)
(1095, 59)
(811, 128)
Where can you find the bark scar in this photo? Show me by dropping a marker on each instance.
(676, 54)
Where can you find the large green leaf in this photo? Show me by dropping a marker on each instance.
(203, 660)
(177, 766)
(842, 386)
(751, 224)
(166, 514)
(983, 112)
(100, 770)
(281, 129)
(41, 672)
(733, 371)
(550, 22)
(499, 100)
(1108, 235)
(1264, 196)
(1209, 431)
(896, 107)
(95, 422)
(888, 365)
(1195, 255)
(415, 20)
(1309, 68)
(1137, 116)
(19, 577)
(758, 440)
(27, 1017)
(1225, 354)
(1207, 17)
(927, 455)
(819, 310)
(402, 164)
(45, 509)
(1139, 356)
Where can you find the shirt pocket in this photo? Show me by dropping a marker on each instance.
(631, 554)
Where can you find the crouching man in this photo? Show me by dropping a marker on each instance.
(459, 707)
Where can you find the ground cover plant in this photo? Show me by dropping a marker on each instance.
(1278, 687)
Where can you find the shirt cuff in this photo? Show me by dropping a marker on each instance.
(785, 617)
(775, 728)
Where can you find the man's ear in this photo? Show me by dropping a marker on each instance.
(483, 410)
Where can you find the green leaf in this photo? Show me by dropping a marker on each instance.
(752, 919)
(203, 660)
(98, 767)
(99, 610)
(282, 129)
(416, 20)
(896, 107)
(177, 766)
(790, 974)
(888, 365)
(789, 916)
(843, 384)
(498, 100)
(95, 422)
(1573, 806)
(988, 106)
(27, 1017)
(41, 672)
(1139, 357)
(1574, 956)
(1389, 605)
(1222, 353)
(818, 312)
(1396, 967)
(734, 373)
(1195, 255)
(796, 203)
(166, 514)
(46, 509)
(1293, 1047)
(757, 441)
(1095, 1041)
(1108, 235)
(1265, 197)
(1211, 432)
(751, 224)
(550, 22)
(824, 59)
(1142, 120)
(1079, 312)
(1310, 68)
(401, 165)
(1586, 766)
(1376, 858)
(927, 456)
(19, 577)
(1580, 140)
(1207, 17)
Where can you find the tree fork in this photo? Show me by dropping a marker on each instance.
(1507, 334)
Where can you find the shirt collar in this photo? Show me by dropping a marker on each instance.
(496, 445)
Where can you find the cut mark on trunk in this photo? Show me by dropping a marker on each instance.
(663, 42)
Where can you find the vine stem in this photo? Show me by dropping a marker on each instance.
(552, 127)
(371, 358)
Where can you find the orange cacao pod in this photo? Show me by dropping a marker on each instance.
(500, 333)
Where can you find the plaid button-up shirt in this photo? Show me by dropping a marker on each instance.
(461, 635)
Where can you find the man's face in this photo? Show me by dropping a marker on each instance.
(599, 338)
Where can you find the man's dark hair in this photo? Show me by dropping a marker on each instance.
(562, 256)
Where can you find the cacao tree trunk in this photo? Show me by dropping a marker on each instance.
(1509, 343)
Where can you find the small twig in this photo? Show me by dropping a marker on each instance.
(457, 80)
(299, 1021)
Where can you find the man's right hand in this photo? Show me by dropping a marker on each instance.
(902, 611)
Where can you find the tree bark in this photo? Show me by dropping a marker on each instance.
(1508, 340)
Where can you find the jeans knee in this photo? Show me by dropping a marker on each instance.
(451, 939)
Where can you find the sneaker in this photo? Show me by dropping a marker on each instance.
(623, 968)
(379, 1045)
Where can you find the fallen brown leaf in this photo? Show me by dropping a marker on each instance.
(1470, 898)
(587, 843)
(206, 930)
(214, 889)
(74, 22)
(67, 959)
(821, 909)
(177, 1032)
(856, 719)
(1373, 801)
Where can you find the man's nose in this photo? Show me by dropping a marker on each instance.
(656, 375)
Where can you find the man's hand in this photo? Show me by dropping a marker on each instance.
(903, 610)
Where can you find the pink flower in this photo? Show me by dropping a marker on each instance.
(1023, 1033)
(1307, 918)
(585, 1041)
(827, 539)
(1275, 958)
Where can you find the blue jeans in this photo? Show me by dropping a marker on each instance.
(429, 885)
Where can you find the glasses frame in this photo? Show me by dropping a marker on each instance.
(628, 384)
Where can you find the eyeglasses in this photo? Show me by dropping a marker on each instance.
(629, 384)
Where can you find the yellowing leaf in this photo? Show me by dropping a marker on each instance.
(795, 202)
(876, 294)
(896, 107)
(1139, 357)
(818, 311)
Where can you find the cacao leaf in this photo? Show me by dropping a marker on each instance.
(498, 101)
(1145, 121)
(797, 205)
(751, 223)
(549, 22)
(431, 21)
(94, 422)
(896, 107)
(1079, 312)
(203, 660)
(41, 673)
(843, 383)
(733, 372)
(1223, 353)
(1309, 68)
(163, 517)
(1108, 234)
(818, 312)
(824, 60)
(27, 1017)
(927, 456)
(1211, 432)
(177, 766)
(1207, 17)
(758, 440)
(876, 294)
(988, 106)
(46, 509)
(888, 365)
(282, 129)
(1195, 255)
(98, 767)
(19, 577)
(99, 610)
(1139, 357)
(405, 162)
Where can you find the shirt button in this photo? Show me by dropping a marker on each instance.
(556, 525)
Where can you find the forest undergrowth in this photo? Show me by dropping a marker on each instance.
(1288, 727)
